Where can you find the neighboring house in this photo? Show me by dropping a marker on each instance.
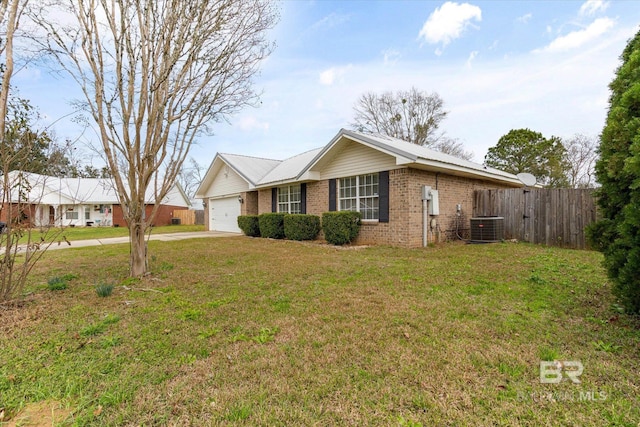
(379, 176)
(82, 202)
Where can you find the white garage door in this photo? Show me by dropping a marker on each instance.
(223, 214)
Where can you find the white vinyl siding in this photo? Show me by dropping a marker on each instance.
(289, 199)
(357, 159)
(227, 182)
(360, 193)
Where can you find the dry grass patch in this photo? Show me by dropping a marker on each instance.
(40, 414)
(241, 331)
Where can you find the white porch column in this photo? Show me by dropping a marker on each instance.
(57, 212)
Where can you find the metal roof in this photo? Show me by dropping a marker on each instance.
(290, 168)
(252, 169)
(264, 173)
(55, 190)
(420, 154)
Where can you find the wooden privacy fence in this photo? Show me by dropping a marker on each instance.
(554, 217)
(189, 217)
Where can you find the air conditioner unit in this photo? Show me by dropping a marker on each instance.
(487, 229)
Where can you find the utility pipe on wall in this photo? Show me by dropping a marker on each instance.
(426, 195)
(425, 223)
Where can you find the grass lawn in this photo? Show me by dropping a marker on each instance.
(241, 331)
(85, 233)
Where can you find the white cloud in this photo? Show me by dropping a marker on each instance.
(524, 18)
(391, 56)
(579, 38)
(330, 76)
(471, 57)
(330, 21)
(591, 7)
(250, 123)
(448, 22)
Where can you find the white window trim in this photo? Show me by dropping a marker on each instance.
(72, 210)
(357, 198)
(289, 202)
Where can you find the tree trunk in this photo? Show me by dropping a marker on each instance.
(138, 249)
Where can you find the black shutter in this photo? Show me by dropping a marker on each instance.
(274, 200)
(303, 198)
(332, 195)
(383, 196)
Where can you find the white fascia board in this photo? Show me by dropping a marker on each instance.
(208, 177)
(403, 161)
(321, 154)
(278, 183)
(467, 171)
(238, 171)
(214, 169)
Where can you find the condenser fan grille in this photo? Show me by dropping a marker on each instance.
(487, 229)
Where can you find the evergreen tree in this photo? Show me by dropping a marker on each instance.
(523, 150)
(617, 234)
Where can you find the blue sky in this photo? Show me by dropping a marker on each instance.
(498, 65)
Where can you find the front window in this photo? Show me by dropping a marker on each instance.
(289, 199)
(71, 213)
(360, 193)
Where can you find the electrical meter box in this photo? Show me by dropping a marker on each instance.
(434, 206)
(432, 197)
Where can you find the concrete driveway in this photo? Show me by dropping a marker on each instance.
(162, 237)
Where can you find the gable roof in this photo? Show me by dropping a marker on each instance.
(257, 171)
(265, 173)
(55, 190)
(408, 154)
(289, 169)
(252, 169)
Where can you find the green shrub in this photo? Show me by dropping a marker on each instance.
(104, 289)
(249, 225)
(341, 227)
(57, 284)
(272, 225)
(617, 234)
(301, 227)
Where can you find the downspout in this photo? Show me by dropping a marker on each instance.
(426, 194)
(425, 221)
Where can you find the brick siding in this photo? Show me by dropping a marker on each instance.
(264, 201)
(250, 205)
(404, 228)
(163, 215)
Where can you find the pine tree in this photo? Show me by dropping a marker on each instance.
(617, 234)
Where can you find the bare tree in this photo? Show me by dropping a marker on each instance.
(190, 176)
(154, 75)
(18, 252)
(411, 115)
(582, 153)
(452, 147)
